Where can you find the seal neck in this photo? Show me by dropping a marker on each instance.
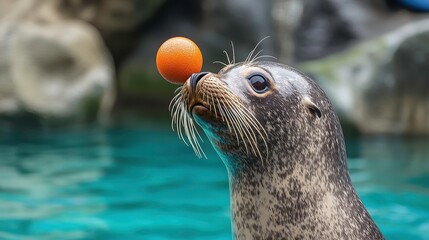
(291, 204)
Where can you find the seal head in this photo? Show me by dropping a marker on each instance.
(283, 147)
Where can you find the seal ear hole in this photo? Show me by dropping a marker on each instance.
(315, 111)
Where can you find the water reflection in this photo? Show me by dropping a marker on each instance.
(392, 177)
(42, 184)
(143, 183)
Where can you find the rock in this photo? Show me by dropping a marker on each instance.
(120, 23)
(133, 31)
(330, 26)
(124, 26)
(51, 66)
(381, 86)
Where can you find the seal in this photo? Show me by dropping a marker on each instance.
(283, 147)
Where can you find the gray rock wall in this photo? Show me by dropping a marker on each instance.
(381, 86)
(52, 66)
(57, 57)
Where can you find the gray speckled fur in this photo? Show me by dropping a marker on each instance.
(303, 190)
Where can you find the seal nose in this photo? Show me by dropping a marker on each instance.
(195, 77)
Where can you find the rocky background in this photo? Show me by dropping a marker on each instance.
(72, 61)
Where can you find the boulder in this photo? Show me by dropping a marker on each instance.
(330, 26)
(380, 86)
(120, 23)
(52, 66)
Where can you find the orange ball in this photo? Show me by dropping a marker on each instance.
(177, 59)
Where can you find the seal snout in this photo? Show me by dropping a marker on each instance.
(195, 78)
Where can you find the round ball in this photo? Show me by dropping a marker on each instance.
(177, 59)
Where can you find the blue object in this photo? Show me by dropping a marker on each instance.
(144, 183)
(418, 5)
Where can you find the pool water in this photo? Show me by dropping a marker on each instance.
(143, 183)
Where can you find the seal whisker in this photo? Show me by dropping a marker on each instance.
(227, 56)
(240, 129)
(214, 106)
(228, 118)
(252, 124)
(250, 135)
(185, 125)
(237, 124)
(190, 129)
(258, 128)
(238, 119)
(197, 132)
(256, 55)
(233, 53)
(178, 89)
(241, 120)
(263, 56)
(219, 62)
(206, 99)
(248, 57)
(251, 52)
(173, 102)
(175, 111)
(226, 101)
(194, 133)
(174, 114)
(180, 123)
(234, 128)
(222, 114)
(172, 107)
(175, 98)
(252, 119)
(188, 135)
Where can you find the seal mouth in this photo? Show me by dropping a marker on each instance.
(199, 108)
(212, 105)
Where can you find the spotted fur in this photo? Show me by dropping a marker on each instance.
(303, 189)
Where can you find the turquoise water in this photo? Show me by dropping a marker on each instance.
(143, 183)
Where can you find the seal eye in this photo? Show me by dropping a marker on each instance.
(259, 83)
